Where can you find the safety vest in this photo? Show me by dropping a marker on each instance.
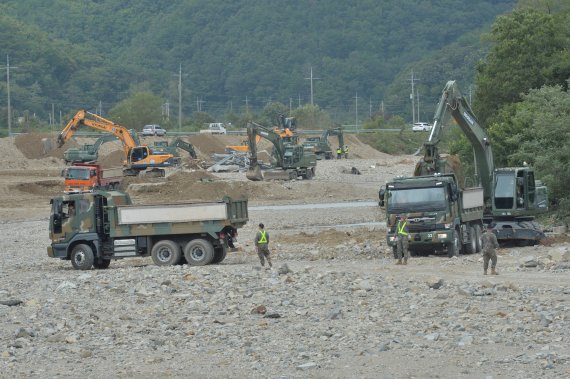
(402, 228)
(346, 149)
(339, 151)
(263, 238)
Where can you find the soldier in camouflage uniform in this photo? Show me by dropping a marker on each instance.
(262, 245)
(489, 244)
(402, 242)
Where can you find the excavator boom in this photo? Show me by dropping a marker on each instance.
(139, 158)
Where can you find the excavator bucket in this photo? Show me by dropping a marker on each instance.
(254, 173)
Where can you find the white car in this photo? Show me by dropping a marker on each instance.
(153, 130)
(421, 127)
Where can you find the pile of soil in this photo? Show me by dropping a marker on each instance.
(41, 145)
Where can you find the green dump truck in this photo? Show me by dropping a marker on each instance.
(441, 216)
(91, 229)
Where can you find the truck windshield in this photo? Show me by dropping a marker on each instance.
(417, 199)
(77, 173)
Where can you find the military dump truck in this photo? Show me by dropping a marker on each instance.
(91, 229)
(441, 215)
(87, 177)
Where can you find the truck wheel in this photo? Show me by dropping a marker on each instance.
(101, 264)
(478, 238)
(471, 245)
(220, 254)
(309, 174)
(453, 247)
(82, 257)
(199, 252)
(165, 253)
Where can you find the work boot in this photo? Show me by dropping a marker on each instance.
(399, 262)
(493, 272)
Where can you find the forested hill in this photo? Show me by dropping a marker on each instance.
(80, 53)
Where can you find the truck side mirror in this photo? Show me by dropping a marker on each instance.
(381, 196)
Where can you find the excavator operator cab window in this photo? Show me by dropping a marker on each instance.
(138, 153)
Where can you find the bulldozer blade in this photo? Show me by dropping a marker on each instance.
(254, 173)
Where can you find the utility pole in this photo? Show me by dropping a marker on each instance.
(311, 79)
(199, 104)
(370, 107)
(299, 106)
(246, 105)
(290, 105)
(8, 90)
(180, 98)
(412, 97)
(100, 108)
(418, 104)
(356, 110)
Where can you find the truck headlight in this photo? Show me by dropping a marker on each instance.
(442, 235)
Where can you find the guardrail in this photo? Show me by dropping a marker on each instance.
(237, 132)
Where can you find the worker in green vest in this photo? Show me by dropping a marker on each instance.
(339, 152)
(402, 236)
(345, 151)
(262, 245)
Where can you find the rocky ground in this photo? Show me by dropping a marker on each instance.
(335, 305)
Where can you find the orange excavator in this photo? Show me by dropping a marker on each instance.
(138, 157)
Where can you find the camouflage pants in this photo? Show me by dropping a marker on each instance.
(263, 253)
(402, 247)
(489, 256)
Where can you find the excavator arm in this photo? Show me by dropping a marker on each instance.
(181, 144)
(453, 105)
(335, 132)
(94, 121)
(253, 132)
(139, 158)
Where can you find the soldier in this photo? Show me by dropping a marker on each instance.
(339, 153)
(262, 245)
(489, 244)
(402, 240)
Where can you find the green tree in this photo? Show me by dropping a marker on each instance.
(137, 110)
(530, 49)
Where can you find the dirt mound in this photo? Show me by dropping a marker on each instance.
(41, 145)
(113, 159)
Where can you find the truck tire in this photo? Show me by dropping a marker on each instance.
(309, 174)
(478, 238)
(199, 252)
(165, 253)
(82, 257)
(471, 245)
(101, 264)
(453, 248)
(220, 254)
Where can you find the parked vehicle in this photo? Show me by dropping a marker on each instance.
(91, 229)
(421, 127)
(86, 152)
(83, 177)
(153, 130)
(215, 128)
